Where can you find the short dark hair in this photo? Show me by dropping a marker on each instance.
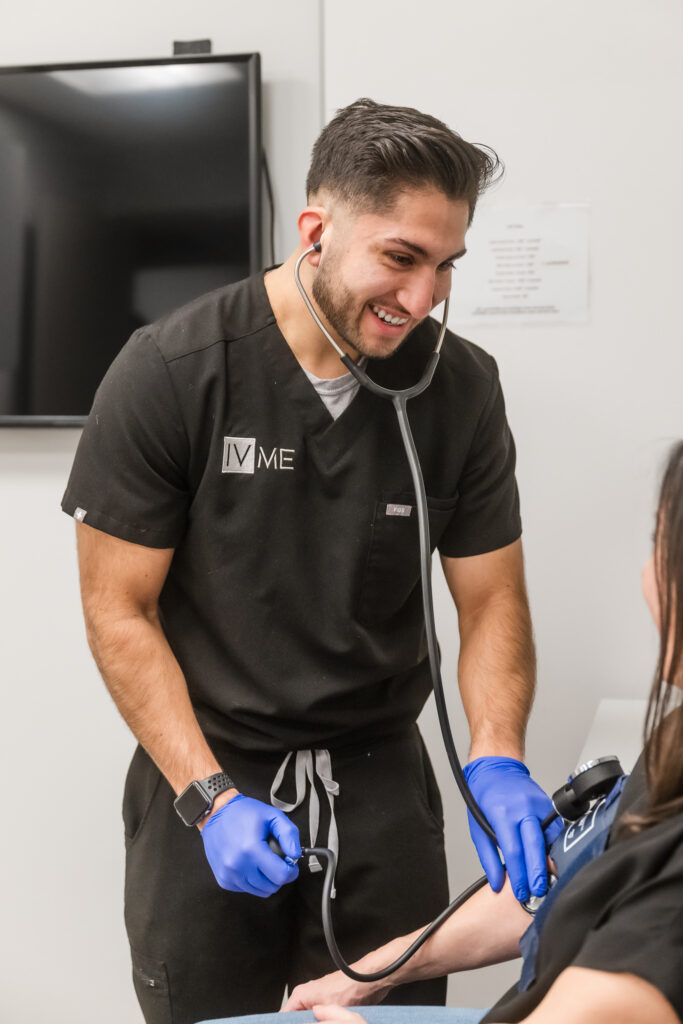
(369, 152)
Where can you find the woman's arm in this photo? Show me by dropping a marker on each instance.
(578, 996)
(485, 930)
(583, 996)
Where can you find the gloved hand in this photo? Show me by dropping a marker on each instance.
(514, 806)
(235, 843)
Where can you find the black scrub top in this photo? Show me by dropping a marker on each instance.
(292, 602)
(622, 913)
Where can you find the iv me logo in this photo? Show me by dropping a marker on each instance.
(240, 455)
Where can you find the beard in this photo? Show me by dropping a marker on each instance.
(340, 308)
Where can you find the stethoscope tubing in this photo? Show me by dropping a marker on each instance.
(384, 972)
(399, 399)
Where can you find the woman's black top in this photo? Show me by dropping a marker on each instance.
(622, 913)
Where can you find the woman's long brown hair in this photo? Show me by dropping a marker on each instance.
(664, 731)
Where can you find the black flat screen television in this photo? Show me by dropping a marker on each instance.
(126, 189)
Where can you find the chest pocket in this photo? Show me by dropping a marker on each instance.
(392, 569)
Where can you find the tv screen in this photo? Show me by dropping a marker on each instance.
(126, 189)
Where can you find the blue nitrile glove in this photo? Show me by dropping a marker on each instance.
(236, 847)
(514, 806)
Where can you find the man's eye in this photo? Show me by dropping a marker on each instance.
(448, 266)
(401, 259)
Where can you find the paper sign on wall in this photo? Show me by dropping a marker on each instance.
(524, 264)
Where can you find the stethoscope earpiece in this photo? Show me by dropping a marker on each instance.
(318, 246)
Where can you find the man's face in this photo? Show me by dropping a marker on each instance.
(380, 274)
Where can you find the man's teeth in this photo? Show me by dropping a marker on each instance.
(383, 315)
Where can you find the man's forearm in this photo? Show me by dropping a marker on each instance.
(149, 689)
(497, 672)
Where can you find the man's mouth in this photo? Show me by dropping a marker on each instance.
(388, 317)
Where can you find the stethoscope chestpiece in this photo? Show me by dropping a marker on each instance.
(534, 903)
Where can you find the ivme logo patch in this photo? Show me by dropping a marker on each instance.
(238, 454)
(241, 455)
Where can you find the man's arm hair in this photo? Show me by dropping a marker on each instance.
(497, 664)
(120, 587)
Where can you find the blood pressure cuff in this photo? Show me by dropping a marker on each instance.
(578, 844)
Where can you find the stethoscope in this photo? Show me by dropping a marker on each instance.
(571, 801)
(399, 400)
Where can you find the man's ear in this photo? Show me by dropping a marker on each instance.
(312, 223)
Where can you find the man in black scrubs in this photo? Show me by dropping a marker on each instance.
(250, 575)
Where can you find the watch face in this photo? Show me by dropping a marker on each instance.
(192, 804)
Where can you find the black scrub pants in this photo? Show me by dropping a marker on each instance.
(200, 952)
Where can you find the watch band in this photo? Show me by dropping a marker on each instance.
(196, 800)
(217, 783)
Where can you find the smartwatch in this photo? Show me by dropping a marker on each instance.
(195, 802)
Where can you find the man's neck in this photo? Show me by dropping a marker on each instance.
(310, 346)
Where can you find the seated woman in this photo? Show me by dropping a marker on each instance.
(608, 943)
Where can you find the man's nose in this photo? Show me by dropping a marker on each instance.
(417, 294)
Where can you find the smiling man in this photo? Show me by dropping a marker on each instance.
(383, 272)
(250, 571)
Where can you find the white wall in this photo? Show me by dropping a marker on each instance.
(581, 103)
(63, 947)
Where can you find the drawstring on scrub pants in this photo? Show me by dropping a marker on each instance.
(306, 760)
